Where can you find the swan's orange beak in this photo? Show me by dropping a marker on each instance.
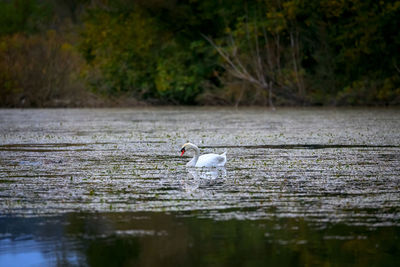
(183, 151)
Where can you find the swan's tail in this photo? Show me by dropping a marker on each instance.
(224, 155)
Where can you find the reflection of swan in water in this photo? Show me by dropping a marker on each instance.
(203, 178)
(207, 173)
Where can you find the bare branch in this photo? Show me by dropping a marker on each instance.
(237, 71)
(396, 67)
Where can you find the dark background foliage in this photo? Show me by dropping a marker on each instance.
(260, 52)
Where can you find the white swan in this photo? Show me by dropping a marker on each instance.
(207, 160)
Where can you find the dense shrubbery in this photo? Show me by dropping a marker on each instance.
(325, 52)
(39, 70)
(39, 67)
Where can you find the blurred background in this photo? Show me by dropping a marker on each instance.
(94, 53)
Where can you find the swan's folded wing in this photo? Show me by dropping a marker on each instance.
(210, 160)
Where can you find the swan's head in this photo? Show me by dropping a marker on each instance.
(185, 147)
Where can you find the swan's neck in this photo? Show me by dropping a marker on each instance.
(195, 157)
(196, 152)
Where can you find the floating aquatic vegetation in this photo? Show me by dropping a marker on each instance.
(289, 163)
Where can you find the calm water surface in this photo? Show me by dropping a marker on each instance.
(107, 187)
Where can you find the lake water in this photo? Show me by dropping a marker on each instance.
(108, 187)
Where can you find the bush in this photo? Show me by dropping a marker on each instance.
(38, 70)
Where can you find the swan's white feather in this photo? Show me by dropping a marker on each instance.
(211, 160)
